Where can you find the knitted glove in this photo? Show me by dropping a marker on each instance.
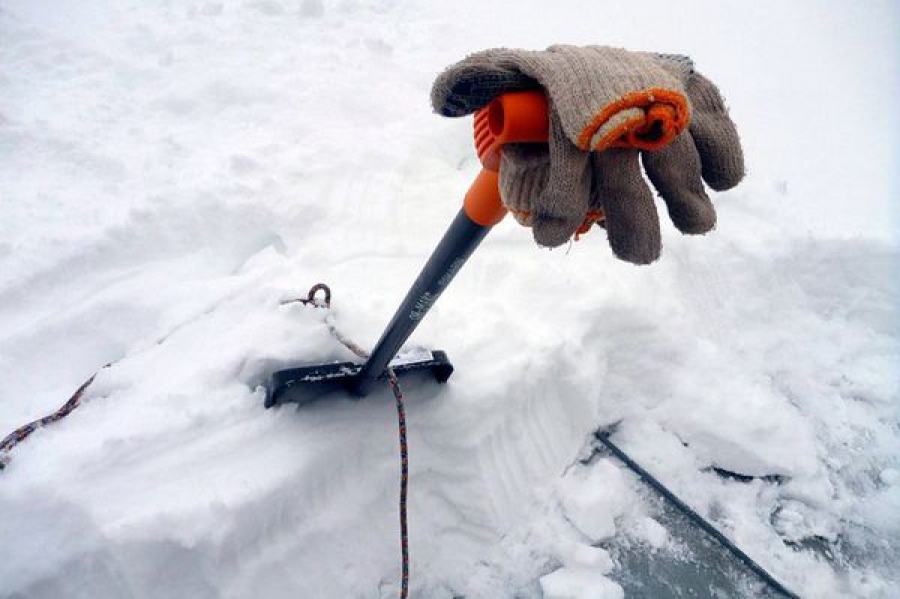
(710, 150)
(602, 99)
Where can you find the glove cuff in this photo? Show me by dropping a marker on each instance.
(524, 171)
(609, 97)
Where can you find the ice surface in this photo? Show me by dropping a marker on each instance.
(171, 172)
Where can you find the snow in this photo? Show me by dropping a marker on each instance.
(582, 583)
(171, 172)
(593, 498)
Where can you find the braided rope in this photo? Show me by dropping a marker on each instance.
(401, 424)
(404, 456)
(404, 483)
(23, 432)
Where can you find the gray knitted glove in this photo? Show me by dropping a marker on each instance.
(710, 150)
(610, 101)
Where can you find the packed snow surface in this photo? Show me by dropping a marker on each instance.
(170, 172)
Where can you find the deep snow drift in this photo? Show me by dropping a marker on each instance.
(170, 172)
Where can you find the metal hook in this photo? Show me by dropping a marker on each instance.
(311, 297)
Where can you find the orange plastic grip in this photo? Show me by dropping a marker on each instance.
(483, 204)
(517, 117)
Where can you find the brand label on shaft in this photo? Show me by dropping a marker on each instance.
(425, 301)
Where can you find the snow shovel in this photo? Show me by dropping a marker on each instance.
(519, 117)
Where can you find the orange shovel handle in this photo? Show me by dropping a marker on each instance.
(517, 117)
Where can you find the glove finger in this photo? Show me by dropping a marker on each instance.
(632, 224)
(715, 135)
(675, 173)
(679, 65)
(560, 208)
(471, 83)
(524, 170)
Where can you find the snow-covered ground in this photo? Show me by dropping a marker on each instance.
(171, 171)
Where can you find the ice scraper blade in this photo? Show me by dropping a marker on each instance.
(303, 384)
(518, 117)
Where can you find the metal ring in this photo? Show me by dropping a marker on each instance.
(311, 297)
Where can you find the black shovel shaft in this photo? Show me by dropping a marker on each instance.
(454, 249)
